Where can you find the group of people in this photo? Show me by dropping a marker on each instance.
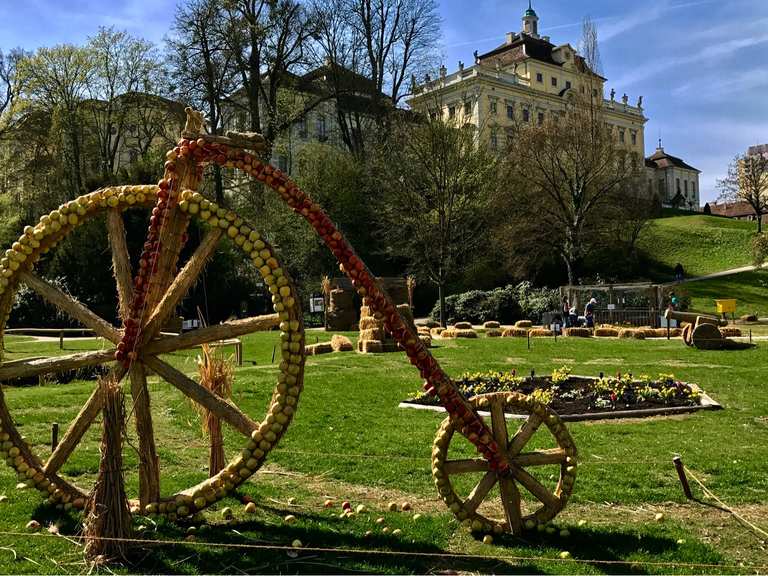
(572, 320)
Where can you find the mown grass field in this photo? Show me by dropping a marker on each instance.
(750, 289)
(351, 441)
(702, 244)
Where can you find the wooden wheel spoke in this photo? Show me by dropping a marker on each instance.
(465, 466)
(75, 432)
(220, 407)
(121, 261)
(535, 487)
(36, 367)
(208, 334)
(540, 457)
(499, 423)
(149, 468)
(181, 284)
(510, 500)
(520, 439)
(72, 307)
(480, 491)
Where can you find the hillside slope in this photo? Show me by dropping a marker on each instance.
(750, 289)
(702, 244)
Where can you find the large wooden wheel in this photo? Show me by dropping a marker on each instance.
(146, 355)
(476, 510)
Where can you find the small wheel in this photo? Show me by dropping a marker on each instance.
(450, 479)
(687, 332)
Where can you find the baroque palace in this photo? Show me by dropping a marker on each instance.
(528, 77)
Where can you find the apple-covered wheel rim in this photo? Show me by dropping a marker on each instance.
(17, 266)
(542, 468)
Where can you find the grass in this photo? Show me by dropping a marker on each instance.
(750, 289)
(702, 244)
(350, 441)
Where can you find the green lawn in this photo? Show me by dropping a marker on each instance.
(702, 244)
(750, 289)
(351, 441)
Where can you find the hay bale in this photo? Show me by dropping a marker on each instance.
(515, 333)
(426, 339)
(749, 318)
(491, 324)
(632, 333)
(606, 332)
(463, 326)
(448, 333)
(730, 332)
(372, 334)
(319, 348)
(370, 323)
(464, 333)
(493, 333)
(577, 332)
(436, 331)
(523, 324)
(540, 333)
(341, 343)
(370, 346)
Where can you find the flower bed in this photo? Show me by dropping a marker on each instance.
(573, 395)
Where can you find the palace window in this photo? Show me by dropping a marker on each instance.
(467, 108)
(678, 185)
(494, 140)
(594, 92)
(685, 184)
(633, 137)
(303, 128)
(621, 136)
(554, 81)
(693, 188)
(493, 107)
(526, 115)
(568, 84)
(452, 112)
(510, 112)
(539, 77)
(540, 118)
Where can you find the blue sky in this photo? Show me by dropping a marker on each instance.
(701, 65)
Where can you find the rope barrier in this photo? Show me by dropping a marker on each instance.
(397, 553)
(739, 517)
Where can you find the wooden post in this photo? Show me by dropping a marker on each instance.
(61, 339)
(54, 436)
(683, 478)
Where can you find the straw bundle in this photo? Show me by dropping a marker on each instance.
(540, 333)
(319, 348)
(463, 326)
(606, 332)
(515, 333)
(370, 346)
(448, 333)
(493, 333)
(730, 332)
(437, 331)
(577, 332)
(523, 324)
(107, 523)
(632, 333)
(491, 324)
(216, 374)
(370, 323)
(426, 340)
(372, 334)
(341, 343)
(465, 333)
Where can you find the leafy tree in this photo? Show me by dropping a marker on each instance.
(566, 175)
(435, 188)
(747, 181)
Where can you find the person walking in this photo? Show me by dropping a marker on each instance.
(589, 313)
(566, 312)
(679, 272)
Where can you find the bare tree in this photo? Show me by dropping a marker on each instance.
(564, 174)
(56, 80)
(122, 65)
(10, 87)
(747, 181)
(589, 47)
(436, 203)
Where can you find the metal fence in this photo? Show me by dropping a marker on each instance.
(627, 316)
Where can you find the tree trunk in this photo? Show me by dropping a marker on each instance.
(759, 223)
(441, 297)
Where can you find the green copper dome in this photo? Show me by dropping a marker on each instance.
(530, 11)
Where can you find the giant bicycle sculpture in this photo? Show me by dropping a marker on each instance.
(149, 295)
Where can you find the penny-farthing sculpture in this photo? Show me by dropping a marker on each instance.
(149, 295)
